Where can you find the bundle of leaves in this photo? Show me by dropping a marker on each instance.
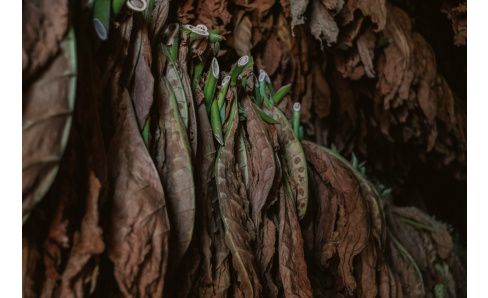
(179, 179)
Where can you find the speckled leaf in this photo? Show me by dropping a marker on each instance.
(172, 157)
(239, 228)
(139, 229)
(294, 159)
(47, 106)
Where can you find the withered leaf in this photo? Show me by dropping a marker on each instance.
(86, 243)
(143, 88)
(322, 24)
(342, 221)
(293, 269)
(47, 107)
(43, 28)
(298, 9)
(137, 240)
(239, 229)
(262, 158)
(171, 153)
(159, 17)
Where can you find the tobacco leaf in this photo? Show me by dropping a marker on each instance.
(298, 9)
(137, 239)
(322, 25)
(143, 86)
(88, 242)
(44, 25)
(171, 153)
(159, 17)
(294, 160)
(192, 121)
(263, 165)
(234, 205)
(292, 265)
(376, 9)
(213, 14)
(175, 81)
(47, 106)
(341, 223)
(458, 17)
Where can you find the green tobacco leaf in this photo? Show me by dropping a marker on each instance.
(235, 216)
(295, 162)
(171, 153)
(47, 111)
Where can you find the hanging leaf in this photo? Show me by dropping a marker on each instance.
(172, 157)
(46, 122)
(139, 229)
(239, 229)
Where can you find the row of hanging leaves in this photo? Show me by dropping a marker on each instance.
(184, 178)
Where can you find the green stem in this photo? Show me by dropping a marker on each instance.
(212, 77)
(149, 11)
(215, 122)
(101, 18)
(262, 88)
(237, 69)
(223, 91)
(257, 94)
(198, 69)
(296, 118)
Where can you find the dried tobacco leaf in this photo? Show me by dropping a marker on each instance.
(137, 240)
(77, 274)
(294, 160)
(341, 224)
(263, 165)
(293, 269)
(47, 106)
(143, 88)
(158, 19)
(171, 153)
(239, 229)
(458, 17)
(44, 25)
(322, 24)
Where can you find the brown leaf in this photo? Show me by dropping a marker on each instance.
(322, 24)
(293, 269)
(143, 88)
(159, 17)
(239, 229)
(458, 17)
(171, 153)
(47, 105)
(262, 159)
(298, 9)
(138, 236)
(342, 223)
(44, 24)
(87, 243)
